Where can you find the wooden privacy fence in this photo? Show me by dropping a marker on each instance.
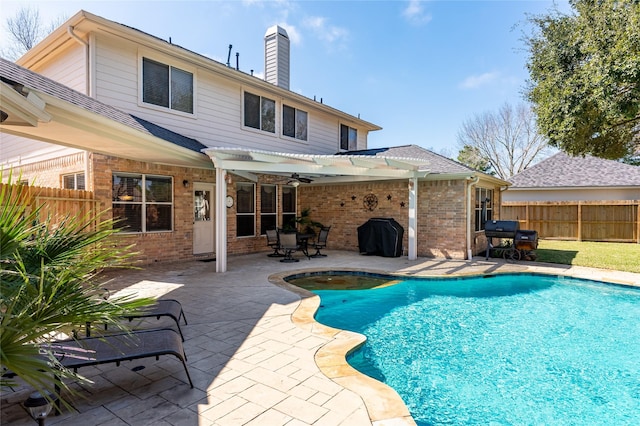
(613, 221)
(56, 203)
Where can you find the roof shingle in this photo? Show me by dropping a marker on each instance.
(562, 171)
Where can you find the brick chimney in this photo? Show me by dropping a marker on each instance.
(276, 57)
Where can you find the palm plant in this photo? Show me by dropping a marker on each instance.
(48, 287)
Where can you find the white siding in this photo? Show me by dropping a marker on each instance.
(218, 110)
(68, 68)
(579, 194)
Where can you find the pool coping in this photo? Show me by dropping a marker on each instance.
(382, 402)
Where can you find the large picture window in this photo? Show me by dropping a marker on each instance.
(294, 123)
(259, 112)
(142, 203)
(288, 206)
(484, 203)
(167, 86)
(348, 138)
(268, 208)
(245, 210)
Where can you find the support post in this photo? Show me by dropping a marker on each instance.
(221, 220)
(413, 218)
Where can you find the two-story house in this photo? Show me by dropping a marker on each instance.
(199, 158)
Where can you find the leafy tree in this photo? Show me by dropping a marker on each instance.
(471, 156)
(48, 288)
(585, 77)
(507, 139)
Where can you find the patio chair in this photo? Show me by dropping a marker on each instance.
(289, 243)
(273, 241)
(321, 242)
(120, 347)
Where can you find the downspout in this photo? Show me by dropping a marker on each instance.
(87, 181)
(473, 181)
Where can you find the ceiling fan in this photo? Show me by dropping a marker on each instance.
(296, 180)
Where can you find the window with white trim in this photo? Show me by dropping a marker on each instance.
(245, 209)
(73, 181)
(294, 123)
(348, 138)
(167, 86)
(142, 203)
(259, 112)
(484, 202)
(268, 208)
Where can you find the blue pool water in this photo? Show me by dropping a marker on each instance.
(502, 350)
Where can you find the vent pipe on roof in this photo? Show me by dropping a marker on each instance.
(276, 57)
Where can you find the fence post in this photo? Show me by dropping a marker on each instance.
(638, 221)
(579, 220)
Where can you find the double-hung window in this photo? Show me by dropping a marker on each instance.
(288, 206)
(167, 86)
(268, 208)
(142, 203)
(259, 112)
(294, 123)
(348, 138)
(484, 207)
(245, 209)
(73, 181)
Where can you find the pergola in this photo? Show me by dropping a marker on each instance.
(325, 169)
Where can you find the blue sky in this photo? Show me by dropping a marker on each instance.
(418, 69)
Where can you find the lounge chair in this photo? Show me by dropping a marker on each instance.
(321, 242)
(289, 243)
(273, 241)
(74, 354)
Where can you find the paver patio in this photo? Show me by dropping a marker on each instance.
(252, 350)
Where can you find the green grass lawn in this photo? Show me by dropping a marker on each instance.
(618, 256)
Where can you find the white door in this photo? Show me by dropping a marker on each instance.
(203, 226)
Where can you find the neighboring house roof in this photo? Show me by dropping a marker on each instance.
(16, 79)
(564, 171)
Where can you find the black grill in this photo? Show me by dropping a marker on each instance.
(526, 240)
(501, 228)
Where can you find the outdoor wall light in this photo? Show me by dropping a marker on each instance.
(389, 197)
(342, 204)
(38, 406)
(353, 198)
(229, 179)
(185, 183)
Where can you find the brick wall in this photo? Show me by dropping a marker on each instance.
(154, 246)
(49, 173)
(441, 213)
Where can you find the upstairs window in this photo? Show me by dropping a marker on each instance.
(73, 181)
(348, 138)
(259, 112)
(294, 123)
(167, 86)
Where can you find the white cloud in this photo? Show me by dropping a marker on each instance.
(475, 81)
(326, 32)
(294, 35)
(415, 13)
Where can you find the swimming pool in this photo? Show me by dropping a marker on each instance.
(506, 349)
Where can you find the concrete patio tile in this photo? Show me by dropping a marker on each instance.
(232, 387)
(301, 409)
(248, 412)
(320, 398)
(270, 417)
(319, 383)
(271, 379)
(262, 395)
(302, 392)
(213, 413)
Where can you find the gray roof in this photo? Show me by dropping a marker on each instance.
(434, 163)
(14, 74)
(562, 171)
